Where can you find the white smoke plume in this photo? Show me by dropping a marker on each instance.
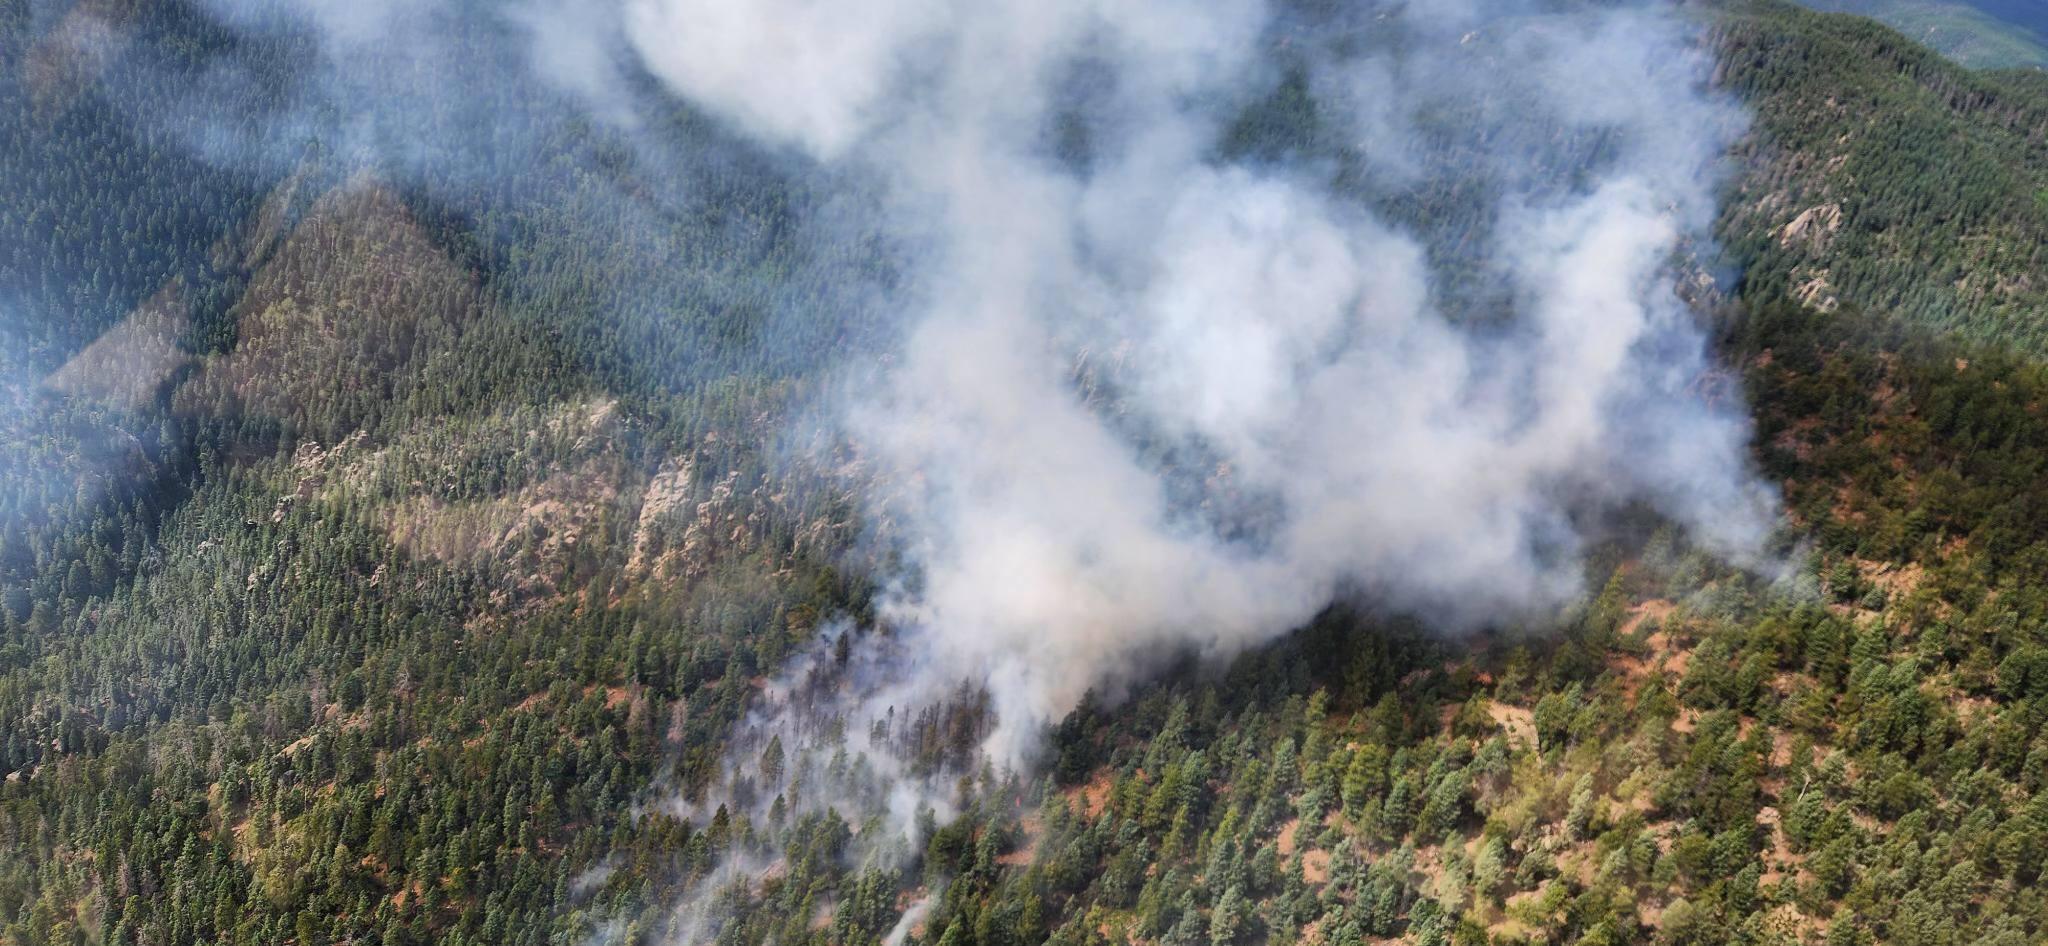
(1161, 399)
(1164, 382)
(1154, 396)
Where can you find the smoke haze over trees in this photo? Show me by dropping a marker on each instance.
(1006, 473)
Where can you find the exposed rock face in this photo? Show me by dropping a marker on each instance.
(1813, 227)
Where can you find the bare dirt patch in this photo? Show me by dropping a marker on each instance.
(1315, 866)
(1093, 794)
(1286, 839)
(1661, 655)
(1655, 609)
(1519, 723)
(1033, 828)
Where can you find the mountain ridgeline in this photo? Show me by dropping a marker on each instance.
(390, 548)
(1981, 34)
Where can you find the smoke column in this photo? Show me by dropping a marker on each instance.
(1157, 383)
(1156, 392)
(1162, 380)
(1152, 397)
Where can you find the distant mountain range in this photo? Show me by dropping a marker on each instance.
(1982, 34)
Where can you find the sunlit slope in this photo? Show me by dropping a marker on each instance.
(1880, 174)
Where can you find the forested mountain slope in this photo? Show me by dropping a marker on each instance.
(1884, 176)
(367, 577)
(316, 538)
